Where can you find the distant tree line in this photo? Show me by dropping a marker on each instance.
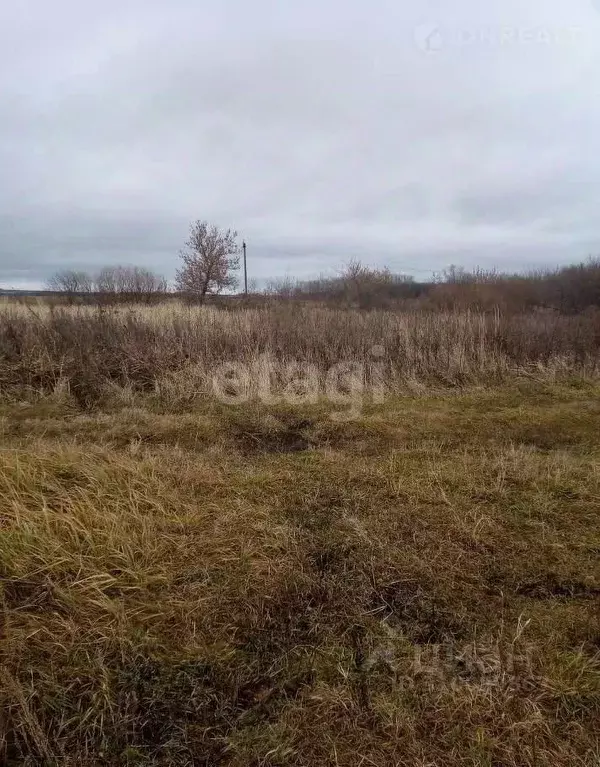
(356, 285)
(211, 258)
(567, 290)
(209, 261)
(112, 284)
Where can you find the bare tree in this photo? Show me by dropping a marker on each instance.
(367, 287)
(282, 287)
(210, 258)
(130, 283)
(106, 281)
(355, 277)
(145, 285)
(70, 282)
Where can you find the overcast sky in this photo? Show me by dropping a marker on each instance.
(399, 132)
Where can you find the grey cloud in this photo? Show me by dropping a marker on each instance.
(319, 131)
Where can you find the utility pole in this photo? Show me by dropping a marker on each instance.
(245, 270)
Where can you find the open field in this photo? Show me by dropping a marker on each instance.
(174, 350)
(187, 582)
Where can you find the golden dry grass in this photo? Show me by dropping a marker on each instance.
(174, 350)
(186, 583)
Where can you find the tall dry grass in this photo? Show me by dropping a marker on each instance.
(88, 349)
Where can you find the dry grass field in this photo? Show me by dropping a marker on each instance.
(191, 582)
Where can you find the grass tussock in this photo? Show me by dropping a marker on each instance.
(266, 585)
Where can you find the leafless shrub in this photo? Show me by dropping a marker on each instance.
(567, 290)
(129, 284)
(71, 282)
